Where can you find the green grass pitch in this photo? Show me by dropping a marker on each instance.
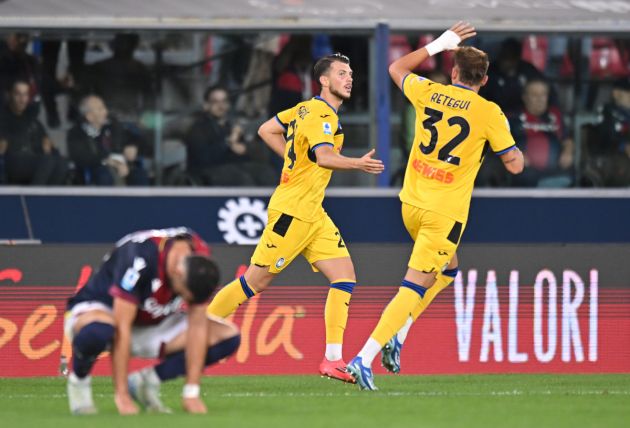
(310, 401)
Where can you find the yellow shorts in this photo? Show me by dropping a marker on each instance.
(285, 237)
(436, 238)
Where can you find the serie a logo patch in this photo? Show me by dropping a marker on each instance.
(327, 128)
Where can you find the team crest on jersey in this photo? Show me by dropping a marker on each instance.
(302, 112)
(327, 128)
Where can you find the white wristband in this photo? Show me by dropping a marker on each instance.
(191, 391)
(448, 40)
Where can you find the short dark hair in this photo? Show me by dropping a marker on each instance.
(202, 277)
(212, 88)
(19, 81)
(472, 63)
(323, 64)
(535, 80)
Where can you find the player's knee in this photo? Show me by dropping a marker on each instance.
(257, 279)
(93, 338)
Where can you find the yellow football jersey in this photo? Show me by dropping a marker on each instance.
(454, 128)
(303, 183)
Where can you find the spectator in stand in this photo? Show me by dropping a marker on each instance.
(29, 155)
(507, 77)
(539, 132)
(292, 79)
(611, 152)
(16, 63)
(104, 152)
(216, 152)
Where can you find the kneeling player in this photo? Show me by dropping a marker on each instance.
(134, 305)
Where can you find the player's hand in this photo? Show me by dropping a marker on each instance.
(463, 30)
(194, 405)
(369, 165)
(125, 404)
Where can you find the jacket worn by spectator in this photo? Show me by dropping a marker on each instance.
(91, 150)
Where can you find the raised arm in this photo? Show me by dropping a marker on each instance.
(330, 159)
(272, 133)
(447, 41)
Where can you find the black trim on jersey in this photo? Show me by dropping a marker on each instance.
(282, 225)
(484, 151)
(261, 266)
(311, 153)
(456, 231)
(339, 131)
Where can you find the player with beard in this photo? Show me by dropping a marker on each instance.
(297, 222)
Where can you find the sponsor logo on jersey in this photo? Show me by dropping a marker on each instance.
(280, 263)
(327, 128)
(156, 310)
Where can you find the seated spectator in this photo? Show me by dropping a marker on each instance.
(507, 77)
(216, 152)
(104, 152)
(539, 132)
(610, 154)
(29, 155)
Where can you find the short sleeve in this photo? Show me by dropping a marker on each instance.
(285, 117)
(133, 271)
(498, 132)
(319, 131)
(415, 87)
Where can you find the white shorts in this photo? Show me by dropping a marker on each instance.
(146, 341)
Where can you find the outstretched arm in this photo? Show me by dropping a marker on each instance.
(330, 159)
(272, 133)
(447, 41)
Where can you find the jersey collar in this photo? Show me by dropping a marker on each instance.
(462, 86)
(321, 99)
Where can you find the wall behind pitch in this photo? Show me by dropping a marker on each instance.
(90, 216)
(513, 308)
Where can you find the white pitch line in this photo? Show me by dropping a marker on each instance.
(508, 393)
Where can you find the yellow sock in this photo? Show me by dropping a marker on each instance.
(336, 314)
(395, 314)
(442, 281)
(230, 297)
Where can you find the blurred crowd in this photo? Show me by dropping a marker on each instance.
(79, 112)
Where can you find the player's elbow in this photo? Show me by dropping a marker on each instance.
(323, 162)
(262, 131)
(393, 70)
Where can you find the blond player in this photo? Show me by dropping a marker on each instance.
(454, 129)
(297, 222)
